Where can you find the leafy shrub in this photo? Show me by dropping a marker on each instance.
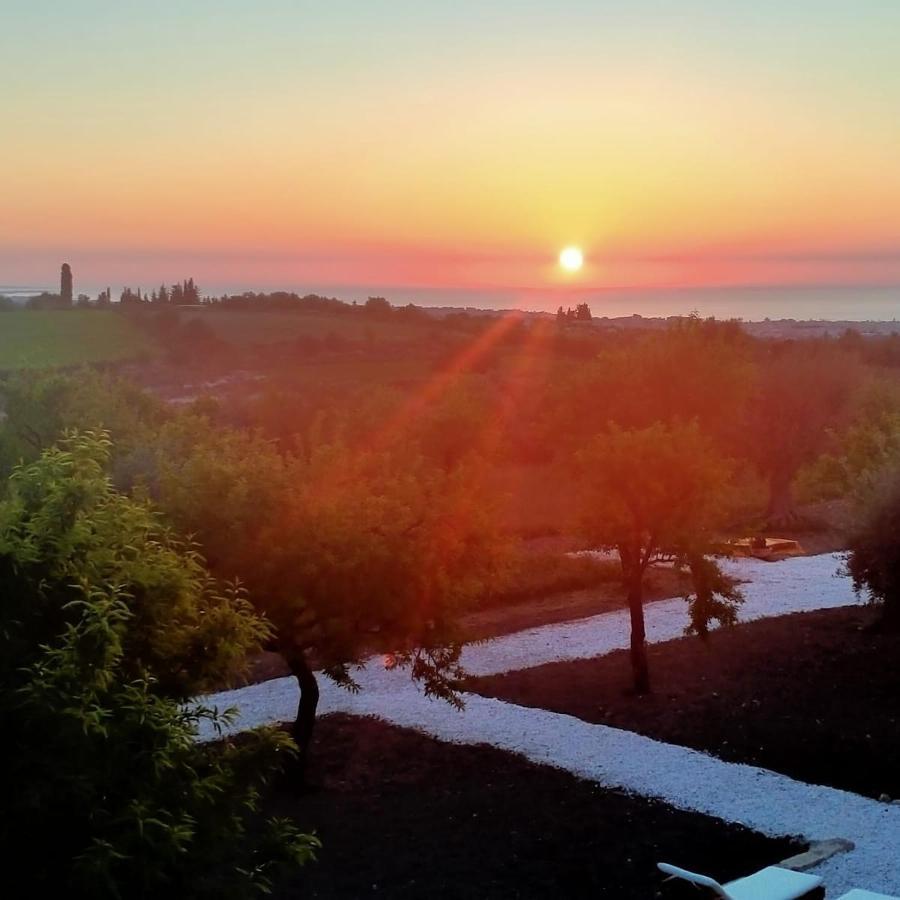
(873, 560)
(531, 575)
(106, 626)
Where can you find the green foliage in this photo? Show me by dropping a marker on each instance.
(455, 423)
(661, 489)
(862, 451)
(377, 551)
(251, 327)
(63, 528)
(345, 551)
(715, 596)
(530, 575)
(336, 542)
(37, 339)
(39, 406)
(657, 488)
(221, 486)
(801, 394)
(106, 625)
(300, 422)
(109, 795)
(697, 371)
(873, 560)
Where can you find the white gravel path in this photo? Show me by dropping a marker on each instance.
(765, 801)
(773, 589)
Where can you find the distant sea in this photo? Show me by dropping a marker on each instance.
(844, 303)
(835, 303)
(855, 303)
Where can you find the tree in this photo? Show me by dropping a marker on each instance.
(348, 552)
(108, 624)
(191, 292)
(63, 528)
(65, 285)
(583, 312)
(697, 370)
(801, 393)
(45, 300)
(864, 449)
(378, 307)
(382, 554)
(873, 558)
(457, 423)
(39, 406)
(650, 491)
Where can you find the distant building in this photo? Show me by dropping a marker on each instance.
(65, 285)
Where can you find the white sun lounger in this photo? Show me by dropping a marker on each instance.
(859, 894)
(771, 883)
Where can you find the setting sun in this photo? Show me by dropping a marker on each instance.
(571, 259)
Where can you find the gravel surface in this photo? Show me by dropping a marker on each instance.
(765, 801)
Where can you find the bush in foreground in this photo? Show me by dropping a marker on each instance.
(106, 626)
(873, 560)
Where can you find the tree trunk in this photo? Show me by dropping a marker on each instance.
(782, 512)
(305, 722)
(700, 610)
(639, 668)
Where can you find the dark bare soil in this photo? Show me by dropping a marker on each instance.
(561, 607)
(813, 695)
(402, 815)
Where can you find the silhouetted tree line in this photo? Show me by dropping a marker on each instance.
(877, 350)
(581, 313)
(185, 293)
(44, 300)
(288, 301)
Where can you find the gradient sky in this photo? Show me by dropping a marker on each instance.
(450, 145)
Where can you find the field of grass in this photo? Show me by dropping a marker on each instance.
(245, 328)
(32, 339)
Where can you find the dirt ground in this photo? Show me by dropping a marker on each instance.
(401, 815)
(813, 695)
(660, 583)
(499, 620)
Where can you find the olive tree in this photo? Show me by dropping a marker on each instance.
(651, 491)
(800, 394)
(348, 552)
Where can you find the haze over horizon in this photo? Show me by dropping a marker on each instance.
(750, 153)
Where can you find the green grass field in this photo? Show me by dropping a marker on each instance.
(244, 328)
(32, 339)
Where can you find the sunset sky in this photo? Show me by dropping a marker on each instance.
(451, 145)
